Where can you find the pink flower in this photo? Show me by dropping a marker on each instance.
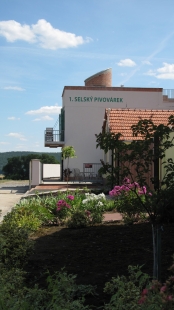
(142, 300)
(163, 288)
(115, 192)
(125, 188)
(131, 185)
(150, 194)
(111, 193)
(117, 188)
(145, 292)
(60, 203)
(87, 213)
(144, 190)
(70, 197)
(170, 297)
(126, 180)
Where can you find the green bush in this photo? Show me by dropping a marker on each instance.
(20, 218)
(138, 291)
(65, 293)
(126, 291)
(61, 292)
(12, 289)
(43, 208)
(15, 246)
(79, 219)
(129, 205)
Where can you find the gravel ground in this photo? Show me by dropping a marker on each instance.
(11, 183)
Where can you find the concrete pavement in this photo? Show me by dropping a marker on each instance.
(10, 194)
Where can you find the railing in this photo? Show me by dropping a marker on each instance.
(91, 171)
(54, 136)
(169, 93)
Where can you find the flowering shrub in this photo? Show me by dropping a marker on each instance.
(137, 292)
(129, 199)
(93, 201)
(62, 209)
(159, 295)
(127, 187)
(95, 204)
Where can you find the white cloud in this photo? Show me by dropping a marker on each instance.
(4, 143)
(37, 120)
(42, 33)
(52, 38)
(14, 88)
(21, 147)
(146, 62)
(44, 118)
(166, 72)
(17, 135)
(126, 63)
(13, 31)
(45, 110)
(151, 73)
(13, 118)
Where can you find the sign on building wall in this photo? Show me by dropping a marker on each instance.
(95, 99)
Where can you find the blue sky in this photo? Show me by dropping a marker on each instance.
(48, 44)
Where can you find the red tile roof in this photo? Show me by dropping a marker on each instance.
(121, 120)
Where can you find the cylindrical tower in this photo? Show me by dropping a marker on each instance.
(100, 79)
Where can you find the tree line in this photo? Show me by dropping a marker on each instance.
(17, 167)
(5, 155)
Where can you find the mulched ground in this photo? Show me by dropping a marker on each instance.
(96, 254)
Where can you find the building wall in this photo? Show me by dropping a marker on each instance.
(169, 154)
(103, 78)
(84, 113)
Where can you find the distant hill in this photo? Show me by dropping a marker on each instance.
(5, 155)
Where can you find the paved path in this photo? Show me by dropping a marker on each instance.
(10, 194)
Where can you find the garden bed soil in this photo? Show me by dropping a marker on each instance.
(96, 254)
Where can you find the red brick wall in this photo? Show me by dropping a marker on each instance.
(103, 78)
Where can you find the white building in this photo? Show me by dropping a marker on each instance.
(83, 109)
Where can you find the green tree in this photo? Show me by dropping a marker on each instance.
(67, 153)
(17, 167)
(5, 155)
(135, 160)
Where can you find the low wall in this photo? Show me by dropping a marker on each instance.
(51, 171)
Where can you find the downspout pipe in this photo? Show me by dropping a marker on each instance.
(112, 164)
(156, 162)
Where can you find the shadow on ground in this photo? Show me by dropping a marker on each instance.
(16, 189)
(96, 254)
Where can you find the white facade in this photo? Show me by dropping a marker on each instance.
(84, 109)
